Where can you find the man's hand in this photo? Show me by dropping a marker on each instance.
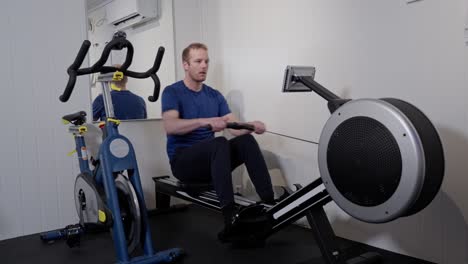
(260, 127)
(217, 123)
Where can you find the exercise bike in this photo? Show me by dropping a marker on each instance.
(110, 196)
(379, 160)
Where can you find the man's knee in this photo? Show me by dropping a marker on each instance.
(220, 142)
(248, 139)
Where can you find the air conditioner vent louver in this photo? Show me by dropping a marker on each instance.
(123, 14)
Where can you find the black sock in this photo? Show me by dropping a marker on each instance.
(269, 200)
(228, 211)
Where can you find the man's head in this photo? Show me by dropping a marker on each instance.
(195, 61)
(122, 84)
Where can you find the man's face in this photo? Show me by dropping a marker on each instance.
(197, 66)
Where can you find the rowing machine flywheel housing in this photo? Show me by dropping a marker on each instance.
(380, 159)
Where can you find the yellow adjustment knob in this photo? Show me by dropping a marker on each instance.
(71, 153)
(118, 76)
(102, 216)
(116, 121)
(82, 129)
(115, 88)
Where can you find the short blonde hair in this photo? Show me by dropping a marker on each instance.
(193, 46)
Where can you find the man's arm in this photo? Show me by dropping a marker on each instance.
(177, 126)
(98, 107)
(145, 113)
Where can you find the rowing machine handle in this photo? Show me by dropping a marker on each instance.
(237, 126)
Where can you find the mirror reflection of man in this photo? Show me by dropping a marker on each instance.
(127, 105)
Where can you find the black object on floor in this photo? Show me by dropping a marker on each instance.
(195, 230)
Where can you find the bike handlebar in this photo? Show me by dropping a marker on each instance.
(72, 70)
(118, 43)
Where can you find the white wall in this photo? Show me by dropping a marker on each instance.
(188, 28)
(38, 43)
(360, 48)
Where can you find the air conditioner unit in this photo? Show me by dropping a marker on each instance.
(123, 14)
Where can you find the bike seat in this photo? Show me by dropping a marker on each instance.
(77, 118)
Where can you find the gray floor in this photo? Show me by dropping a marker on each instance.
(195, 231)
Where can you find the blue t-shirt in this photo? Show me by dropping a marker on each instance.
(206, 103)
(127, 105)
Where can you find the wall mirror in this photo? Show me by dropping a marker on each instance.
(148, 25)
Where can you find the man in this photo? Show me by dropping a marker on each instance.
(192, 112)
(127, 105)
